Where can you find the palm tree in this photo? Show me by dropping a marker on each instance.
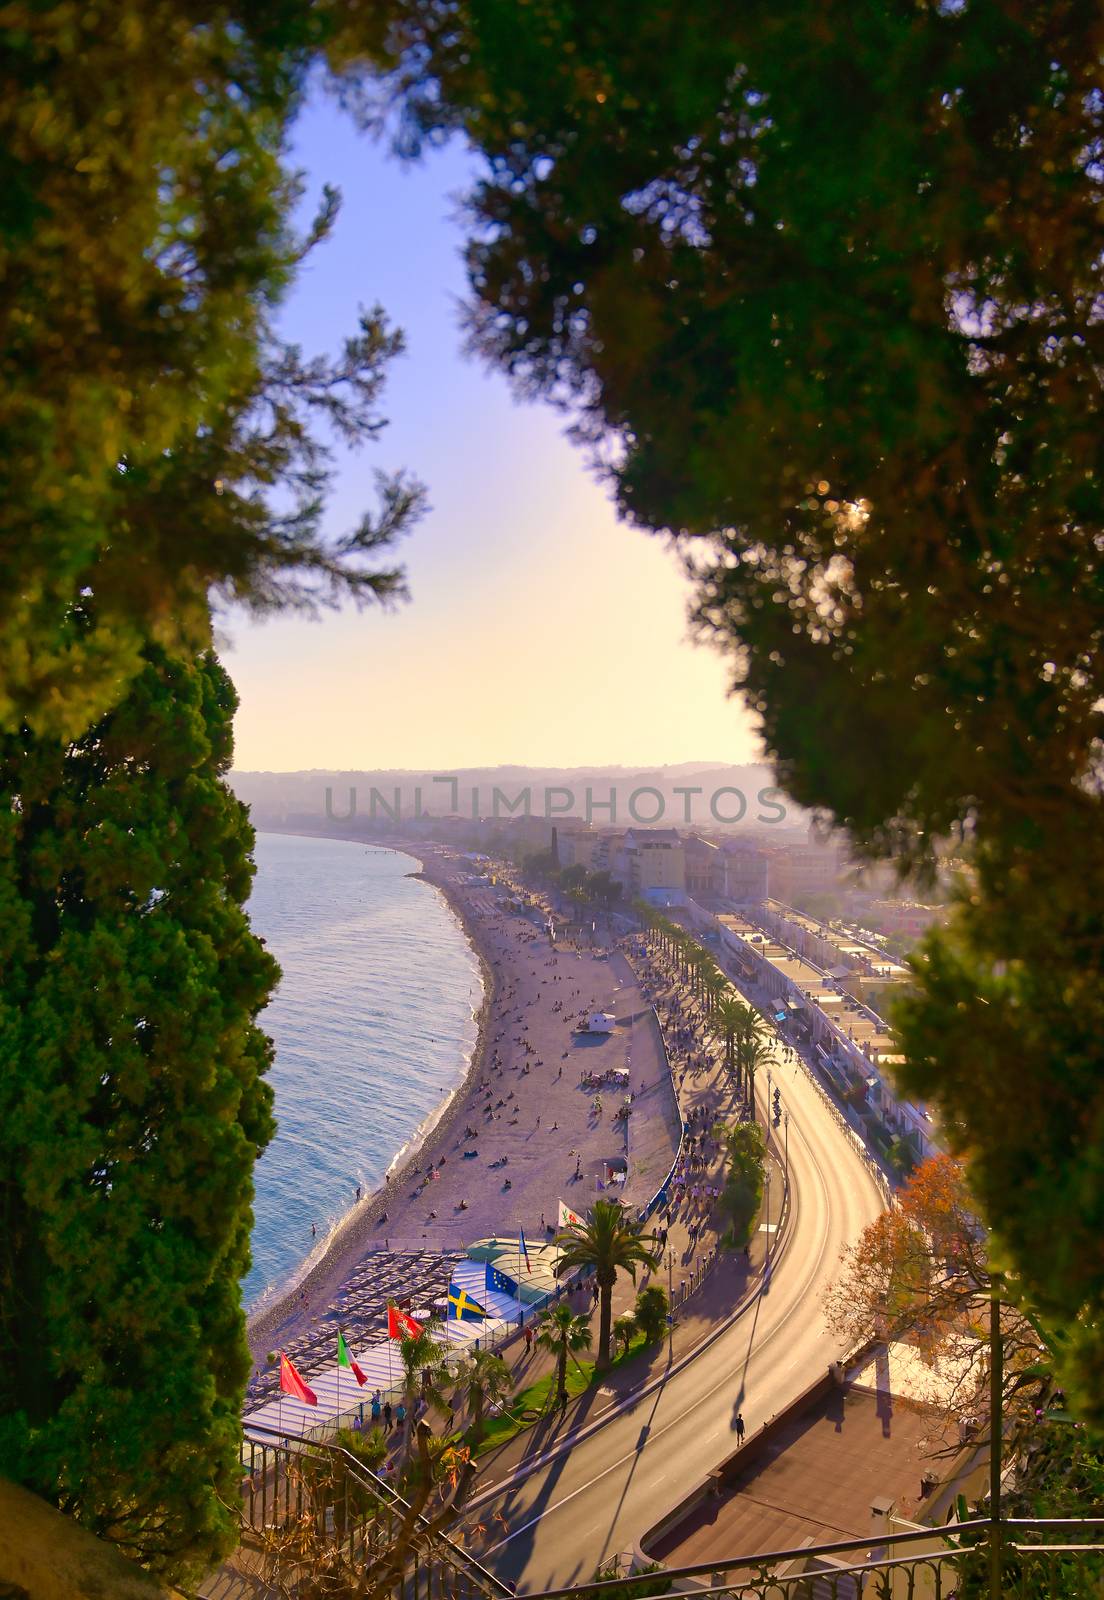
(607, 1241)
(715, 985)
(737, 1024)
(483, 1379)
(726, 1020)
(562, 1333)
(753, 1053)
(624, 1329)
(420, 1355)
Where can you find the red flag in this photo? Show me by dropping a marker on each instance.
(400, 1323)
(291, 1383)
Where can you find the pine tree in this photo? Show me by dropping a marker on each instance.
(156, 438)
(133, 1102)
(822, 285)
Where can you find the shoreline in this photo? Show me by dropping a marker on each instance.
(446, 1186)
(315, 1284)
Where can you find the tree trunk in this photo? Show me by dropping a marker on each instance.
(605, 1322)
(561, 1373)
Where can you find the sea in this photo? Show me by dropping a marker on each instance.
(374, 1023)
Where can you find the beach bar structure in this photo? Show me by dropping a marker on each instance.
(343, 1401)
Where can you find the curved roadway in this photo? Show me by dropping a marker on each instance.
(595, 1500)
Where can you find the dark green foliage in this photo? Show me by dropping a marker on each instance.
(156, 439)
(746, 1151)
(642, 1585)
(368, 1445)
(650, 1311)
(1061, 1475)
(609, 1241)
(822, 285)
(134, 1105)
(1007, 1026)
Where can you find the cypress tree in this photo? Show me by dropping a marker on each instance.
(134, 1105)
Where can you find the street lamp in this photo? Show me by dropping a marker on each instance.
(766, 1258)
(786, 1131)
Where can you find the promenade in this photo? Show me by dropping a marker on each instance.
(590, 1498)
(536, 1132)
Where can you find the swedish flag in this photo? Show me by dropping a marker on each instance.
(462, 1306)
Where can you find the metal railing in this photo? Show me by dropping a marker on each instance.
(324, 1491)
(954, 1562)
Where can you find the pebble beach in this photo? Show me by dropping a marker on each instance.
(520, 1133)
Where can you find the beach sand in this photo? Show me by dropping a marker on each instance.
(533, 1124)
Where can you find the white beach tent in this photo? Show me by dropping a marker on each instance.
(339, 1394)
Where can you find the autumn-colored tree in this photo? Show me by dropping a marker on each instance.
(134, 1105)
(823, 292)
(920, 1274)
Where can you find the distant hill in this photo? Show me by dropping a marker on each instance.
(701, 794)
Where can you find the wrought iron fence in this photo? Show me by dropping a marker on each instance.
(338, 1507)
(978, 1560)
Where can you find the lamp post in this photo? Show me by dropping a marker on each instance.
(766, 1258)
(786, 1142)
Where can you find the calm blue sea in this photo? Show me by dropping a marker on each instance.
(374, 1022)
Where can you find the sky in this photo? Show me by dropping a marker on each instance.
(540, 630)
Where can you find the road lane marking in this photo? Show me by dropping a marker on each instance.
(799, 1304)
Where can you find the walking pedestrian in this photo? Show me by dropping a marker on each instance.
(739, 1427)
(387, 1415)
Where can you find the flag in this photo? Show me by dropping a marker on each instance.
(400, 1324)
(569, 1218)
(461, 1305)
(291, 1383)
(344, 1359)
(500, 1281)
(523, 1252)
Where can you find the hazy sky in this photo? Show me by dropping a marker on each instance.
(540, 629)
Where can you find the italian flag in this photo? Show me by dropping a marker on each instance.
(344, 1359)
